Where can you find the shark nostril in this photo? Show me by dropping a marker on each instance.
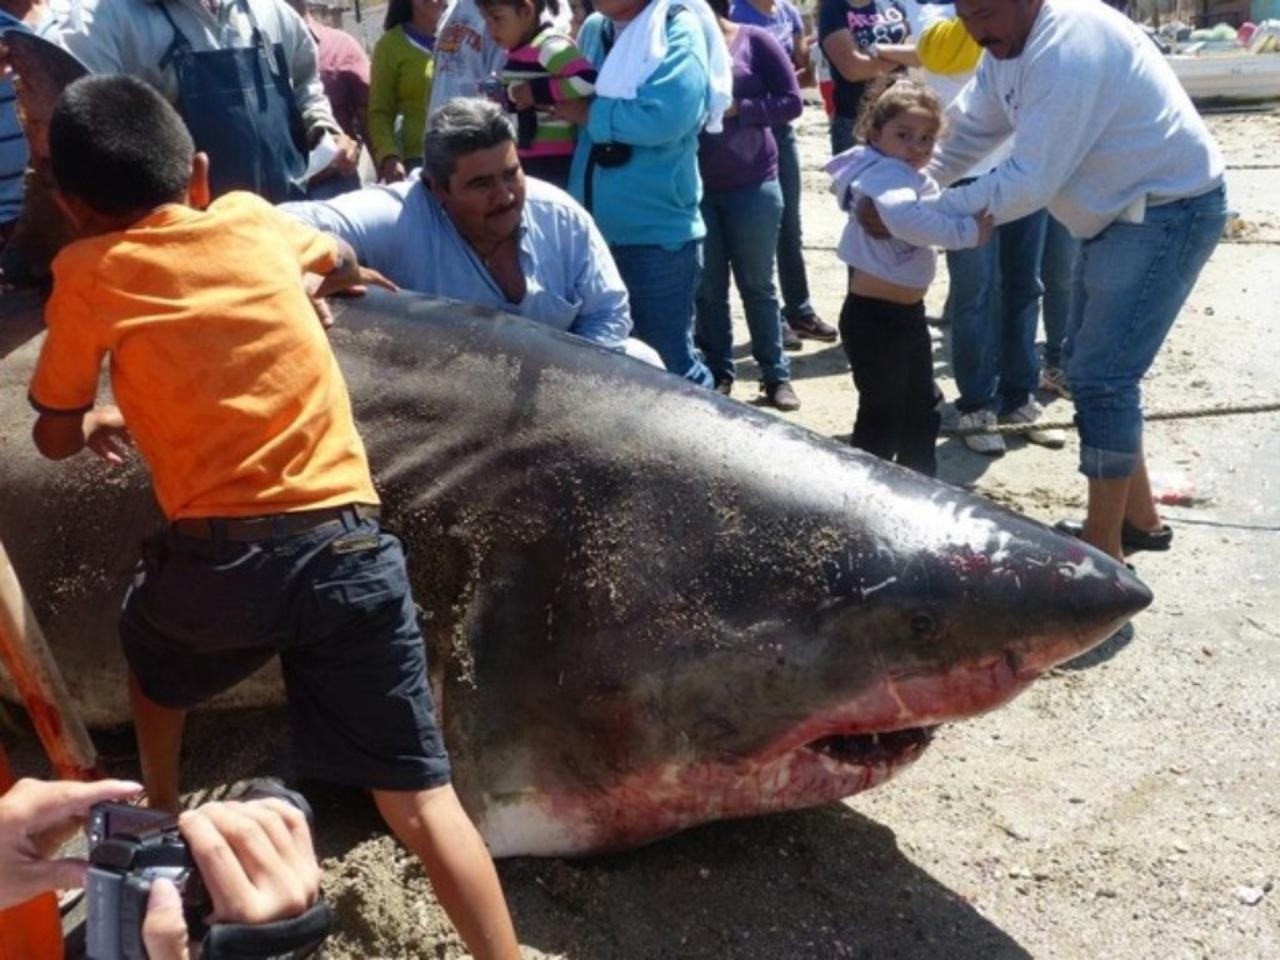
(924, 625)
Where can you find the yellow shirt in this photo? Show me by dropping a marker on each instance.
(218, 363)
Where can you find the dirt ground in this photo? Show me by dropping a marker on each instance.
(1125, 807)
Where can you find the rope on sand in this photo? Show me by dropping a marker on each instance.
(1194, 413)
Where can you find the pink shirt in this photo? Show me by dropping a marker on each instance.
(344, 71)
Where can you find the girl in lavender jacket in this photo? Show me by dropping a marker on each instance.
(882, 325)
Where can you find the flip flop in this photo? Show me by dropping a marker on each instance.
(1132, 538)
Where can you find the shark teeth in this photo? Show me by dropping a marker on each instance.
(873, 748)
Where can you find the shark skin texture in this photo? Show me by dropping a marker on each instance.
(646, 606)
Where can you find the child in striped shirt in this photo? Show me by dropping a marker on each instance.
(543, 68)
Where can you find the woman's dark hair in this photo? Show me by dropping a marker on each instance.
(539, 6)
(398, 12)
(118, 146)
(719, 7)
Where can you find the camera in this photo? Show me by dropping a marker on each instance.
(131, 847)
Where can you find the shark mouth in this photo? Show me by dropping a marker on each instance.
(660, 800)
(873, 749)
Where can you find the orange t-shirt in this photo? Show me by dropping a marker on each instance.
(218, 363)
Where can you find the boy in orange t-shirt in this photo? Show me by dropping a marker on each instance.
(236, 403)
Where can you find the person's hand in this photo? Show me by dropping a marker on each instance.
(164, 928)
(520, 95)
(986, 226)
(334, 284)
(35, 817)
(572, 111)
(256, 861)
(732, 110)
(347, 160)
(323, 312)
(106, 435)
(869, 219)
(391, 170)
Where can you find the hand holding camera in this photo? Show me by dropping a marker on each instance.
(256, 864)
(238, 877)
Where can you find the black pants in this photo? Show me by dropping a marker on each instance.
(892, 360)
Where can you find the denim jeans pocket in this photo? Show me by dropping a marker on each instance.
(1203, 234)
(1126, 255)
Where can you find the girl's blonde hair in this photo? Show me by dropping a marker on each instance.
(890, 95)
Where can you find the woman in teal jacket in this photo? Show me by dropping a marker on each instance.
(635, 169)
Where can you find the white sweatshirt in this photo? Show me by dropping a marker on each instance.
(1103, 127)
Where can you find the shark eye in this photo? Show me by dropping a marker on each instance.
(923, 624)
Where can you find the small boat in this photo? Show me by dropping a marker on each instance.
(1234, 79)
(1225, 73)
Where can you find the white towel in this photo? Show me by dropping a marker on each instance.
(642, 45)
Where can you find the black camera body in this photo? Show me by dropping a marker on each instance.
(132, 847)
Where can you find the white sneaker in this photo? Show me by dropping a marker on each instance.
(990, 444)
(1054, 380)
(1030, 412)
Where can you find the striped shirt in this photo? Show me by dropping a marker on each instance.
(555, 70)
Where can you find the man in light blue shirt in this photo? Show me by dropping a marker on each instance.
(474, 229)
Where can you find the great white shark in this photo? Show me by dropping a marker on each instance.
(647, 606)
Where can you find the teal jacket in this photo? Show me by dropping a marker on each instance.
(653, 197)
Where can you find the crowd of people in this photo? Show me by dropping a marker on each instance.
(600, 170)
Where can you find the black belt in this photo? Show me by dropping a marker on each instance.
(270, 526)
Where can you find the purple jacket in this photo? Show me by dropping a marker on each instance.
(766, 94)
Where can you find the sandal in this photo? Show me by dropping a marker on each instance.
(1132, 538)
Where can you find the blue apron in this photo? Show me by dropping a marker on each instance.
(240, 108)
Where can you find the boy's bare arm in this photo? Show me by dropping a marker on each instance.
(102, 430)
(348, 275)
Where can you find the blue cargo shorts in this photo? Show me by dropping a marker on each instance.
(333, 602)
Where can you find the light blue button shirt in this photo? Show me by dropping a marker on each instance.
(404, 233)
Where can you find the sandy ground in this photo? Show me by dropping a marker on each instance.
(1125, 807)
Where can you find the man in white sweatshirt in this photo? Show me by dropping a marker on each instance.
(1109, 141)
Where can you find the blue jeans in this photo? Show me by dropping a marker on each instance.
(1130, 282)
(661, 284)
(842, 137)
(994, 306)
(742, 233)
(1057, 264)
(792, 277)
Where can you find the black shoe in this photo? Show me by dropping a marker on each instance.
(813, 327)
(1132, 539)
(782, 395)
(724, 386)
(790, 339)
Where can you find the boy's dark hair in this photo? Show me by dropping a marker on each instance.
(118, 146)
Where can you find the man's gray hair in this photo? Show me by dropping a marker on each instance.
(463, 125)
